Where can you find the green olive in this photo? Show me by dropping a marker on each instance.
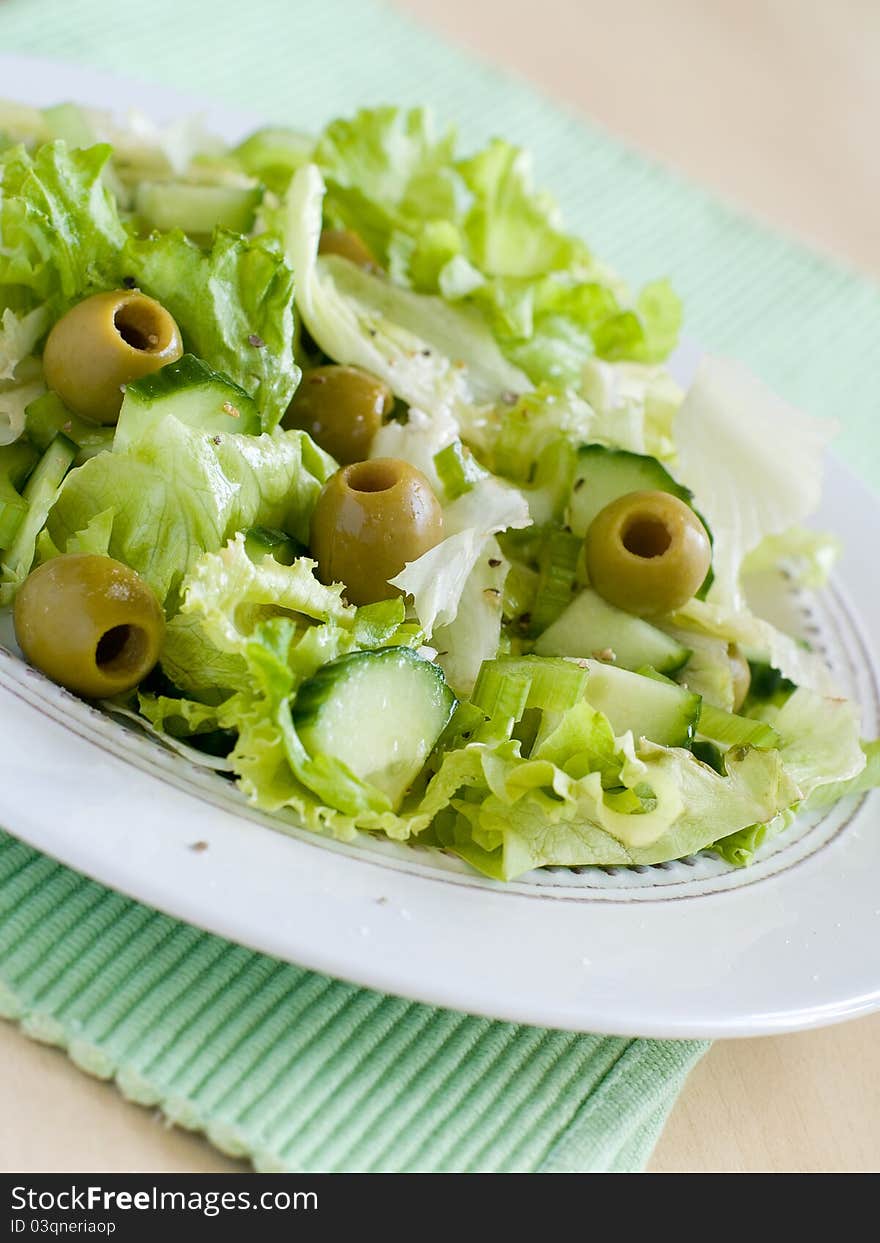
(371, 519)
(741, 676)
(647, 552)
(89, 623)
(102, 344)
(341, 408)
(346, 243)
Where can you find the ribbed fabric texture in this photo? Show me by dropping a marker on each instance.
(290, 1068)
(301, 1072)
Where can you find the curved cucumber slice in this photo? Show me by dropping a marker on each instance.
(191, 391)
(590, 625)
(602, 475)
(198, 210)
(379, 713)
(48, 415)
(662, 712)
(262, 542)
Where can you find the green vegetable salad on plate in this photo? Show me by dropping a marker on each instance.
(343, 469)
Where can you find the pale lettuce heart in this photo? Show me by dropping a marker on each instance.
(442, 360)
(752, 461)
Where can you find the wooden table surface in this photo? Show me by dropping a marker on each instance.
(774, 103)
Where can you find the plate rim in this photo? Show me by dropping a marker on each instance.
(364, 910)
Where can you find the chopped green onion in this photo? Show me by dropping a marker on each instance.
(458, 469)
(520, 588)
(729, 730)
(511, 684)
(13, 508)
(557, 568)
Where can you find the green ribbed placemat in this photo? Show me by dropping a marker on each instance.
(293, 1069)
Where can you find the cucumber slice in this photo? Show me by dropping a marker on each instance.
(660, 711)
(590, 625)
(69, 123)
(726, 729)
(190, 391)
(16, 463)
(13, 508)
(39, 494)
(274, 154)
(602, 475)
(262, 542)
(48, 415)
(197, 209)
(379, 713)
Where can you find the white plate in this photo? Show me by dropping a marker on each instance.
(693, 948)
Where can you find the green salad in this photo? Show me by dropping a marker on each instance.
(344, 470)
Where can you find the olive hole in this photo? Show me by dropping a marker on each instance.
(375, 476)
(141, 327)
(121, 648)
(646, 537)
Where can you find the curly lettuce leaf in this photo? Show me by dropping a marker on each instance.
(60, 232)
(234, 306)
(180, 492)
(820, 739)
(533, 814)
(442, 360)
(196, 666)
(476, 231)
(230, 594)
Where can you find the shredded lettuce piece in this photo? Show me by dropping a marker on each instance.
(753, 462)
(807, 556)
(634, 406)
(756, 636)
(437, 579)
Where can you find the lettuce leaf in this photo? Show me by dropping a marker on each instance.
(230, 594)
(475, 230)
(753, 462)
(196, 666)
(180, 492)
(474, 633)
(234, 306)
(437, 579)
(532, 814)
(634, 406)
(440, 359)
(60, 232)
(807, 556)
(861, 783)
(757, 637)
(820, 739)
